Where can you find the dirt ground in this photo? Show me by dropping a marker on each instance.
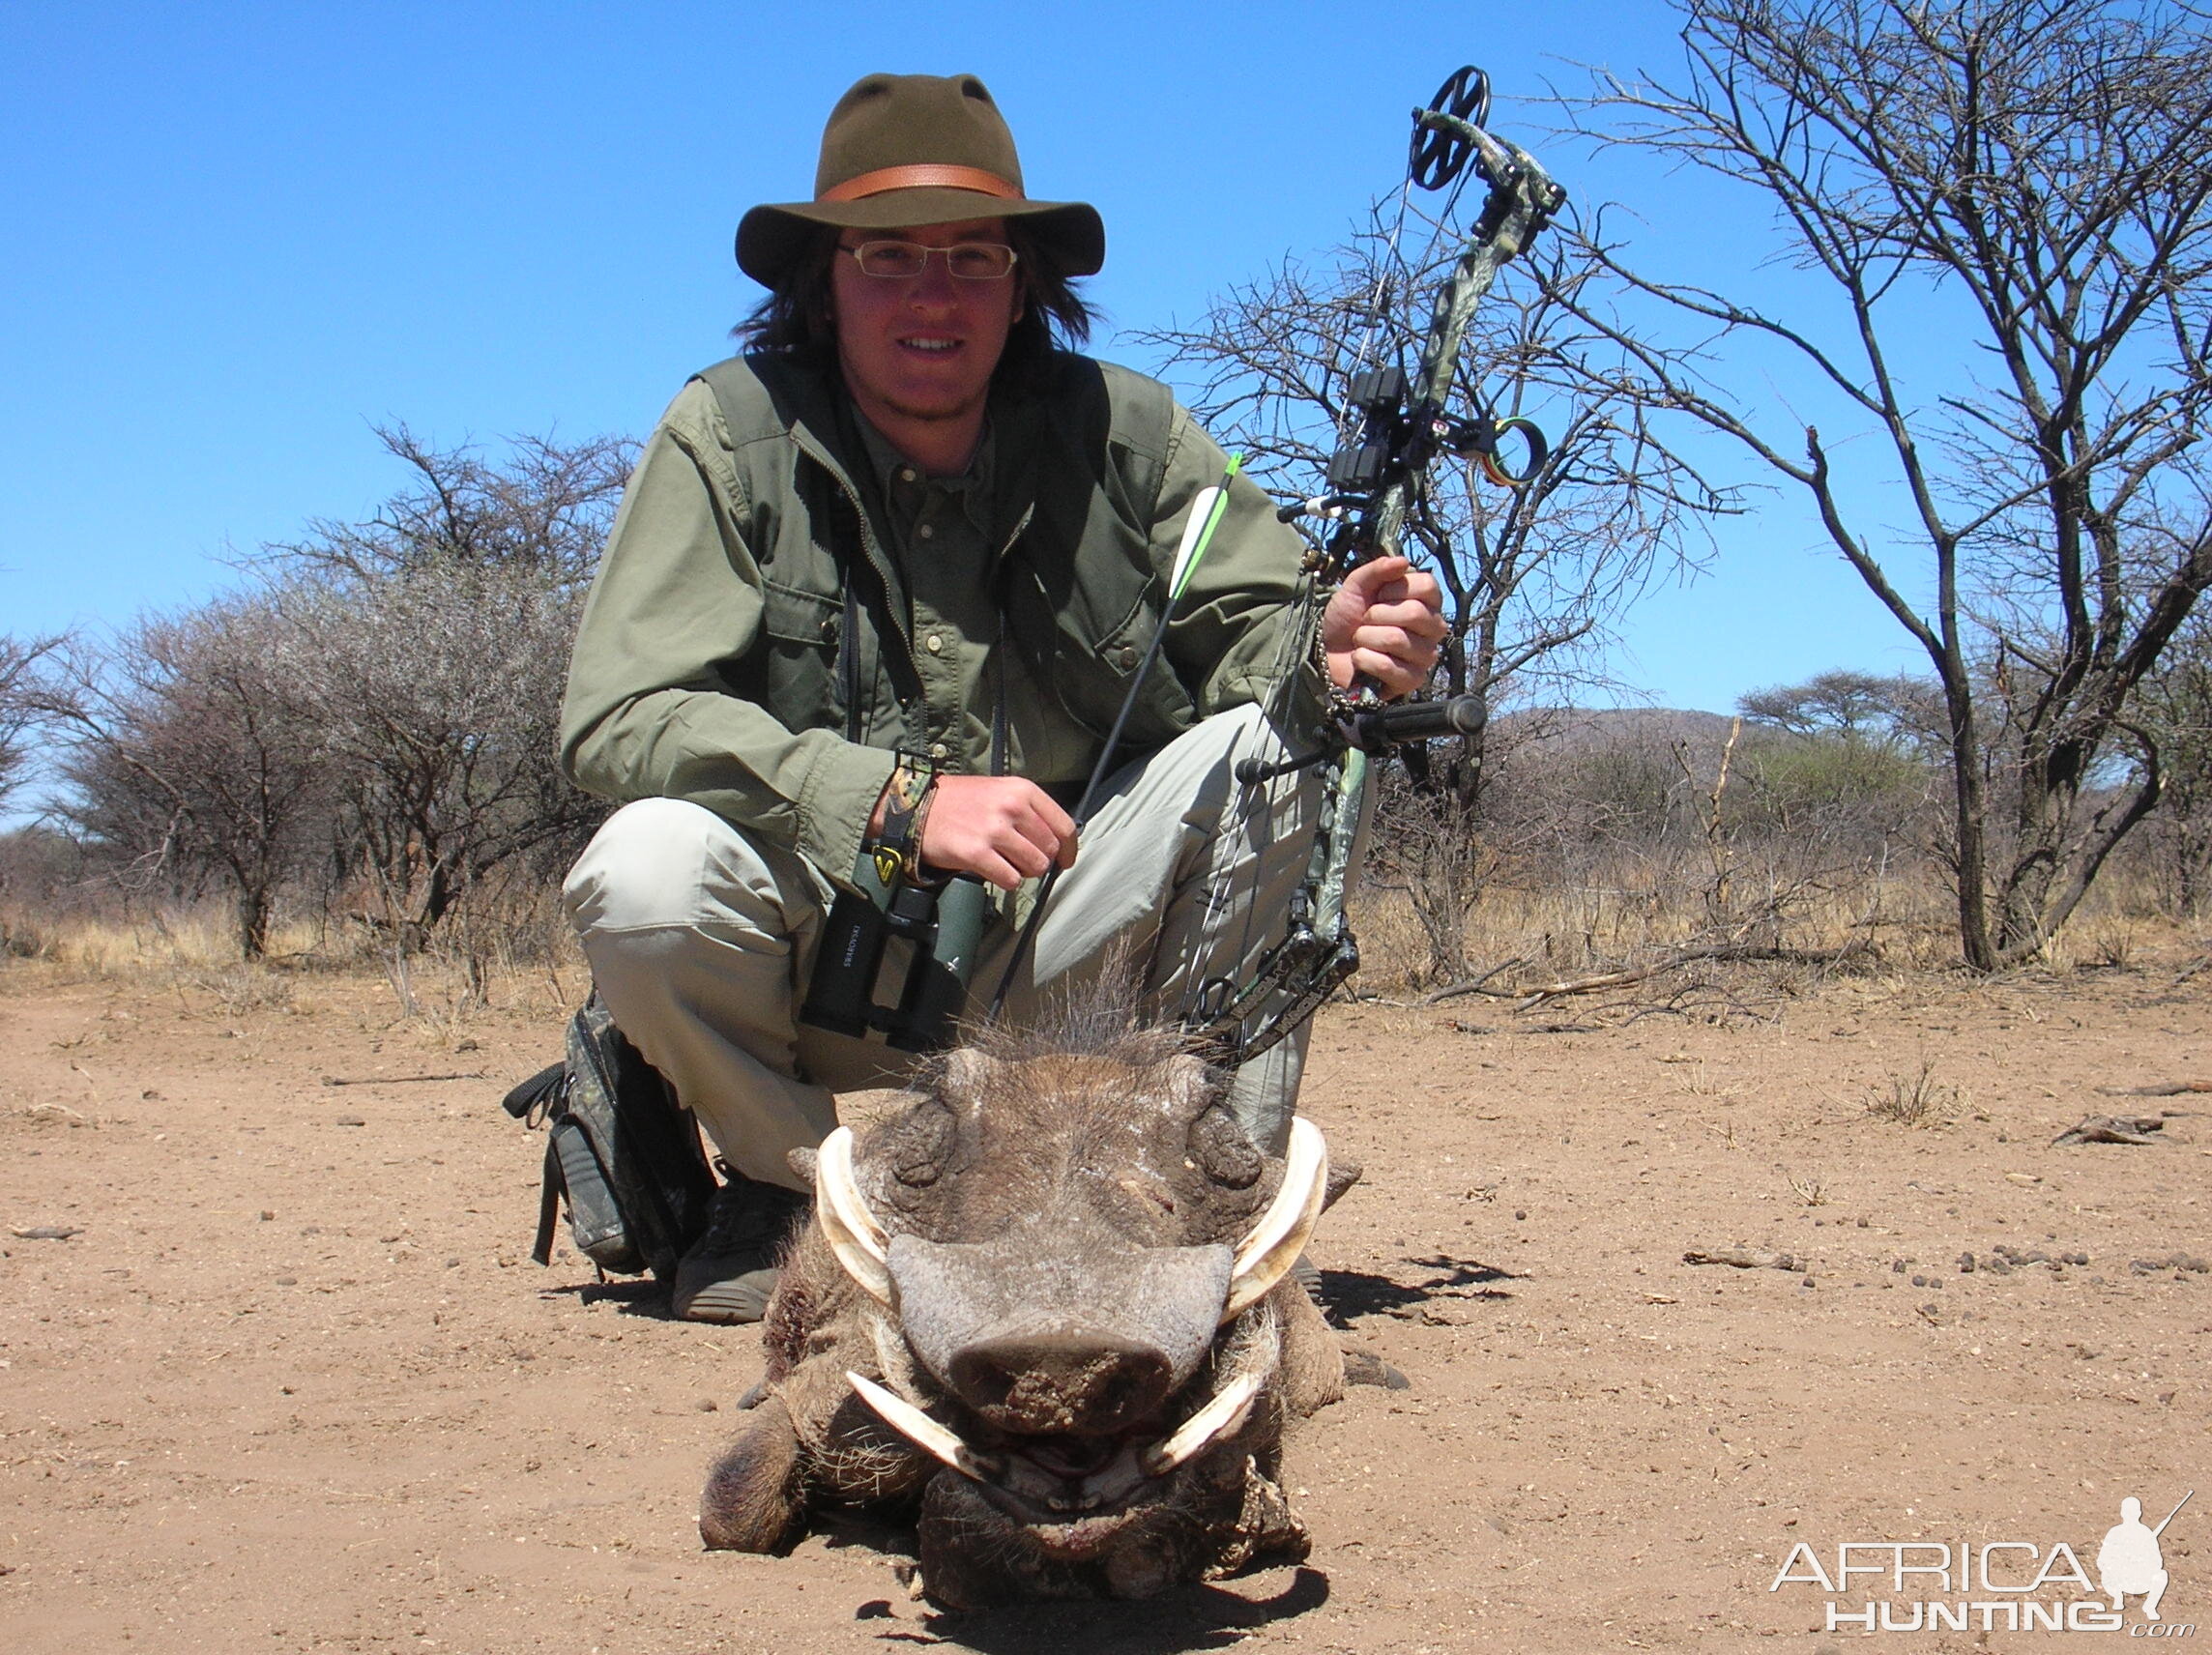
(292, 1383)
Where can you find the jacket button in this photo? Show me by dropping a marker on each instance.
(939, 750)
(1125, 657)
(927, 532)
(934, 644)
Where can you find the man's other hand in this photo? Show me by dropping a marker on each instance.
(1387, 620)
(1004, 829)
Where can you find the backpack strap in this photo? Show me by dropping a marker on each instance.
(549, 1204)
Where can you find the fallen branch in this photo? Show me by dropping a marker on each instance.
(2114, 1129)
(2165, 1088)
(1477, 986)
(1703, 954)
(398, 1080)
(1744, 1259)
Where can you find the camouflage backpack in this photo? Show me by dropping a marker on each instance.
(622, 1152)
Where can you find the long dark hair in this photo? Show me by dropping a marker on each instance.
(794, 320)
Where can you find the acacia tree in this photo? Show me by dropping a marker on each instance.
(189, 756)
(430, 644)
(1888, 713)
(1531, 573)
(1848, 758)
(21, 700)
(2002, 205)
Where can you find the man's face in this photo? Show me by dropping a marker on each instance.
(921, 347)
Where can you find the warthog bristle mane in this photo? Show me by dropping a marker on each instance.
(1101, 1018)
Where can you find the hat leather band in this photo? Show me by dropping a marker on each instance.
(924, 175)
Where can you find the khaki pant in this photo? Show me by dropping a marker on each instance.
(702, 941)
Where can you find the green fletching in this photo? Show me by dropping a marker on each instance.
(1206, 512)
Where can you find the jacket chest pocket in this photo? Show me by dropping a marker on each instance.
(802, 629)
(1082, 642)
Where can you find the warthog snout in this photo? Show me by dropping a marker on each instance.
(1082, 1383)
(1059, 1327)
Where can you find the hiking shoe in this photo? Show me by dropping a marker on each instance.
(730, 1272)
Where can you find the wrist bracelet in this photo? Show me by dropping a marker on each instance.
(897, 844)
(1342, 702)
(911, 863)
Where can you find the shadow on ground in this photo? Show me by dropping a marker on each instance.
(1187, 1618)
(643, 1296)
(1347, 1296)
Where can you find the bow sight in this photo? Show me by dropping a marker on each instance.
(1396, 440)
(1403, 423)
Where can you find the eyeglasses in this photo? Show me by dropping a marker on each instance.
(896, 261)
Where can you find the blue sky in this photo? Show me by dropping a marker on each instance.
(237, 235)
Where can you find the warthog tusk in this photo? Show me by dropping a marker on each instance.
(1224, 1415)
(854, 1235)
(1274, 1244)
(923, 1431)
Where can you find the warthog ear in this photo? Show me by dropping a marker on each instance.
(754, 1500)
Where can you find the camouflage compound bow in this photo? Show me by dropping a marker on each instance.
(1373, 480)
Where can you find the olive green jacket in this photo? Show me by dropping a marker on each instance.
(747, 643)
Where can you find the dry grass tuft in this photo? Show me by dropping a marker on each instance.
(1916, 1099)
(1895, 924)
(1812, 1189)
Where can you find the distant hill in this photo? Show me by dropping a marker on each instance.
(1575, 729)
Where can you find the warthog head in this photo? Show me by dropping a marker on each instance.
(1049, 1298)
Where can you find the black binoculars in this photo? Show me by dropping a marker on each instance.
(943, 924)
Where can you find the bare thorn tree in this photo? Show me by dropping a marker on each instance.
(22, 702)
(428, 645)
(2002, 206)
(544, 507)
(436, 695)
(189, 756)
(2174, 712)
(382, 706)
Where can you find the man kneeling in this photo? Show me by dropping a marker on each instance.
(875, 596)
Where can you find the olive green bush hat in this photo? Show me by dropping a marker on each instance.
(906, 150)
